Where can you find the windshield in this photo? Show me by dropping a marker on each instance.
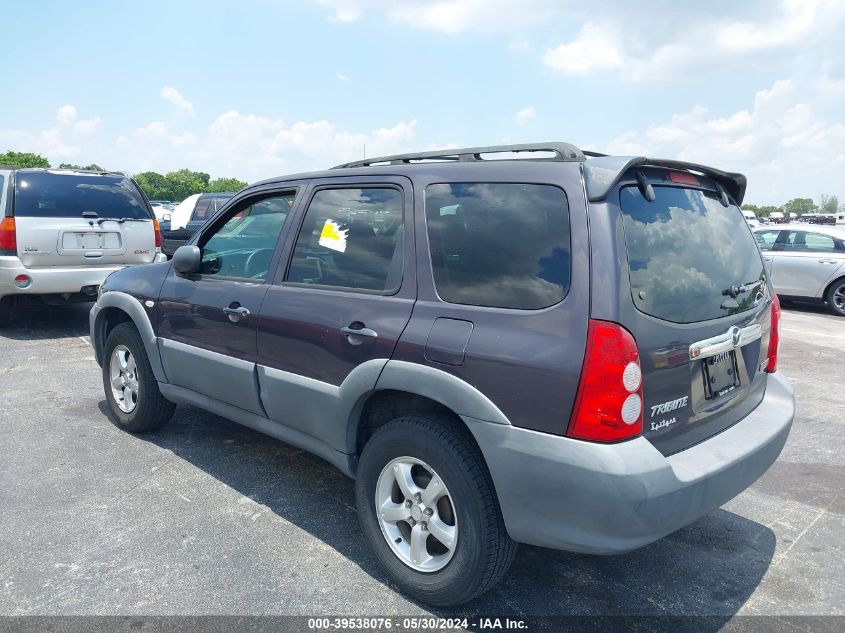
(690, 258)
(65, 195)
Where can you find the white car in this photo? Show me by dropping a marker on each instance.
(806, 262)
(62, 232)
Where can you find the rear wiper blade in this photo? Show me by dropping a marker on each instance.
(120, 220)
(735, 291)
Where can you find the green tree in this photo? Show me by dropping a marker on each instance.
(156, 186)
(23, 159)
(828, 204)
(799, 206)
(185, 182)
(220, 185)
(91, 167)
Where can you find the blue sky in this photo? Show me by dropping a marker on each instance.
(258, 88)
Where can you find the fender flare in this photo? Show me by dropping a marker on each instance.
(440, 386)
(139, 317)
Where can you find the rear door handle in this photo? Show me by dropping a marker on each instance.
(362, 331)
(828, 261)
(236, 314)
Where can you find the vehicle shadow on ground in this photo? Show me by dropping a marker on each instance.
(709, 568)
(36, 321)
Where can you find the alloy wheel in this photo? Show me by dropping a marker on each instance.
(124, 379)
(416, 514)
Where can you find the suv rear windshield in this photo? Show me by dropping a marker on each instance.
(499, 244)
(686, 251)
(58, 195)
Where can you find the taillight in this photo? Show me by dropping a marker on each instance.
(157, 230)
(774, 337)
(8, 239)
(609, 404)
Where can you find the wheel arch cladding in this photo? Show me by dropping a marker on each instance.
(106, 314)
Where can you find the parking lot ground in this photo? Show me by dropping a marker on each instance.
(207, 517)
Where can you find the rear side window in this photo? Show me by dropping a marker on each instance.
(499, 244)
(803, 242)
(69, 195)
(685, 253)
(351, 238)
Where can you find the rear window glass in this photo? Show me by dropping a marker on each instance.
(499, 244)
(685, 252)
(54, 195)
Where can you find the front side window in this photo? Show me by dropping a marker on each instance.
(499, 244)
(243, 246)
(351, 238)
(766, 239)
(46, 194)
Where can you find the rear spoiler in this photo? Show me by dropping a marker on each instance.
(602, 173)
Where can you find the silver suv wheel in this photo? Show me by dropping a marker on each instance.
(124, 379)
(416, 514)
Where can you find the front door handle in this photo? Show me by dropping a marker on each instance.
(354, 332)
(828, 261)
(236, 312)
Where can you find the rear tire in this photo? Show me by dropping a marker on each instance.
(131, 389)
(6, 310)
(835, 297)
(466, 511)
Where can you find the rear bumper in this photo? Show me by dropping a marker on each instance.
(50, 280)
(611, 498)
(53, 279)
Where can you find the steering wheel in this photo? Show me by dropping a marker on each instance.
(258, 263)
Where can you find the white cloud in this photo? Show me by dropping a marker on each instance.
(782, 142)
(342, 77)
(61, 141)
(174, 97)
(593, 49)
(66, 114)
(525, 115)
(654, 45)
(448, 16)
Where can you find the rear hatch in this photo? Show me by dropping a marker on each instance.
(699, 305)
(81, 219)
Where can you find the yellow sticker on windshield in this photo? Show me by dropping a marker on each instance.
(333, 237)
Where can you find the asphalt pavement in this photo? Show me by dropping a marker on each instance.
(206, 517)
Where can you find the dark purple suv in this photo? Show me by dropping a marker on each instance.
(569, 351)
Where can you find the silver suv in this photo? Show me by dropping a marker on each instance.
(62, 232)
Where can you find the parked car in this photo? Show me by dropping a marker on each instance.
(806, 262)
(63, 231)
(576, 353)
(751, 218)
(162, 210)
(189, 216)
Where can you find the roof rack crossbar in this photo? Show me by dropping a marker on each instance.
(565, 152)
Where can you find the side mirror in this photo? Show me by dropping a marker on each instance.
(187, 259)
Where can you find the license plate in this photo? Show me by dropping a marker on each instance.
(90, 240)
(720, 374)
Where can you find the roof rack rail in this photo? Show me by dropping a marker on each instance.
(564, 152)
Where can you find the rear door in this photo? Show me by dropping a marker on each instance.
(209, 320)
(697, 300)
(81, 219)
(343, 302)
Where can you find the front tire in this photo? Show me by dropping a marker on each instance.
(131, 389)
(836, 297)
(429, 510)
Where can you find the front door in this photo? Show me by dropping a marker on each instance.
(207, 325)
(341, 305)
